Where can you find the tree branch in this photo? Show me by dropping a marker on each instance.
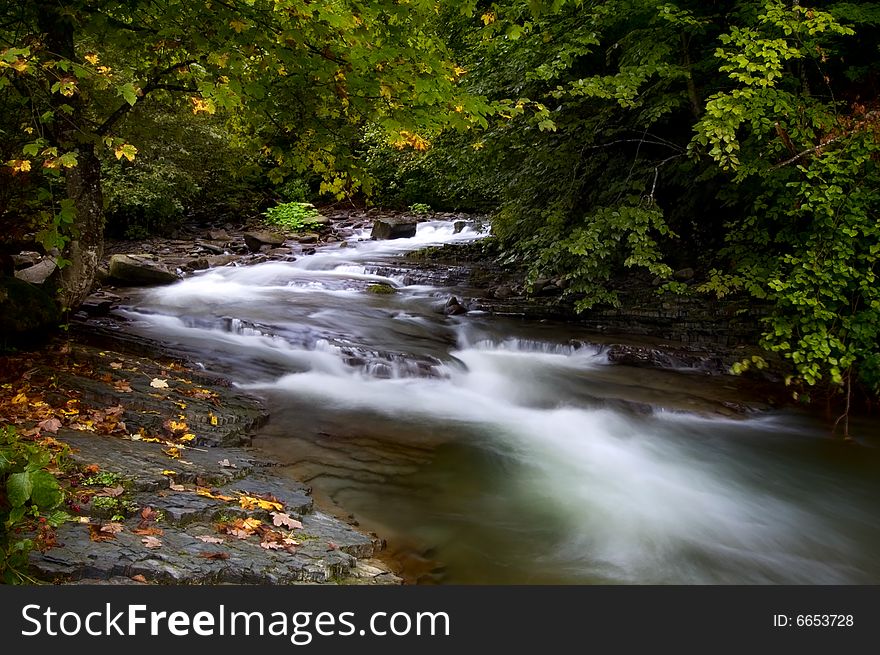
(154, 83)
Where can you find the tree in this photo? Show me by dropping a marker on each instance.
(298, 79)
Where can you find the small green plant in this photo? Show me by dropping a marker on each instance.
(420, 208)
(294, 216)
(114, 506)
(29, 500)
(103, 479)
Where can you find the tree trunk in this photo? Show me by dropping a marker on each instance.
(86, 248)
(86, 245)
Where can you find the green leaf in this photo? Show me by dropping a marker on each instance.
(46, 493)
(18, 488)
(128, 92)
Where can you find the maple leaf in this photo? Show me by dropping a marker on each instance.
(214, 555)
(280, 519)
(332, 546)
(96, 534)
(139, 578)
(211, 540)
(92, 58)
(112, 528)
(152, 531)
(91, 469)
(151, 542)
(110, 492)
(122, 386)
(272, 545)
(125, 150)
(252, 502)
(158, 383)
(49, 425)
(116, 365)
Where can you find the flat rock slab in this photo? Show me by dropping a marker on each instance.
(181, 491)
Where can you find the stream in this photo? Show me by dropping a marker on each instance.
(496, 450)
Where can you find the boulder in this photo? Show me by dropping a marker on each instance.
(454, 308)
(27, 312)
(256, 240)
(459, 226)
(307, 237)
(139, 270)
(25, 259)
(684, 274)
(39, 272)
(218, 235)
(391, 227)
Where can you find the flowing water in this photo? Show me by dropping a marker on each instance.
(493, 450)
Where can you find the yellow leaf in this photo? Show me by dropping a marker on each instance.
(169, 472)
(249, 502)
(19, 165)
(128, 151)
(189, 436)
(488, 18)
(202, 106)
(212, 418)
(172, 451)
(92, 58)
(20, 65)
(238, 25)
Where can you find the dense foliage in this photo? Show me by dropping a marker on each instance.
(613, 139)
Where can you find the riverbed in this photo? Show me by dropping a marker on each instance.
(491, 449)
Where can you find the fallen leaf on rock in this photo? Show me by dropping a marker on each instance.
(332, 546)
(172, 451)
(96, 534)
(112, 528)
(91, 469)
(139, 578)
(158, 383)
(152, 532)
(207, 493)
(169, 472)
(272, 545)
(176, 487)
(110, 492)
(151, 542)
(214, 555)
(212, 418)
(225, 463)
(115, 364)
(211, 540)
(49, 425)
(122, 386)
(254, 502)
(281, 519)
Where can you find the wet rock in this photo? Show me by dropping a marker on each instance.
(139, 270)
(684, 274)
(218, 235)
(307, 237)
(27, 312)
(381, 289)
(210, 247)
(199, 264)
(454, 308)
(220, 260)
(393, 227)
(100, 303)
(279, 252)
(504, 291)
(459, 226)
(255, 240)
(39, 272)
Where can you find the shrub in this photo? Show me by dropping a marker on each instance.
(293, 215)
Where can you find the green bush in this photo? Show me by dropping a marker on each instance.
(29, 500)
(294, 216)
(420, 208)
